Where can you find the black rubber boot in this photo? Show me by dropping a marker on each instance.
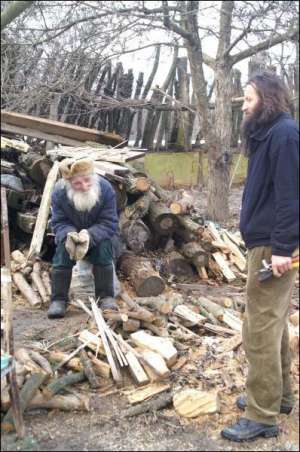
(60, 285)
(104, 286)
(246, 430)
(242, 404)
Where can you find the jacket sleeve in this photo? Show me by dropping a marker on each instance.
(60, 224)
(107, 222)
(285, 172)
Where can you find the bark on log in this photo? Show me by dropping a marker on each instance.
(160, 402)
(136, 235)
(23, 356)
(161, 303)
(41, 361)
(47, 282)
(73, 364)
(26, 395)
(135, 311)
(143, 277)
(60, 383)
(162, 219)
(26, 290)
(175, 264)
(137, 184)
(183, 206)
(88, 370)
(70, 402)
(101, 368)
(136, 210)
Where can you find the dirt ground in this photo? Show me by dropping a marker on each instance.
(102, 429)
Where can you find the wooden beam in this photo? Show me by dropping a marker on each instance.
(52, 127)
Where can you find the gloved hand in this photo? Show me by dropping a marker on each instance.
(83, 242)
(71, 242)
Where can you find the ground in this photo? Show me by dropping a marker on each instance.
(102, 428)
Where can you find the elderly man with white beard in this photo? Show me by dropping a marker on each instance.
(85, 223)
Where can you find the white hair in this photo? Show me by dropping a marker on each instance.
(84, 200)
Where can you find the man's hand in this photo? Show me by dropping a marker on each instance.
(83, 244)
(280, 265)
(71, 242)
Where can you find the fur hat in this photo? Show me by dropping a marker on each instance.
(71, 167)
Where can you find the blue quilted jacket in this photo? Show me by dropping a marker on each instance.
(101, 222)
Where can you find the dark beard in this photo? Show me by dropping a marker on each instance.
(249, 125)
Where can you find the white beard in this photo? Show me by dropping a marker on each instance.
(84, 201)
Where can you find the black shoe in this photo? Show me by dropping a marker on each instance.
(104, 286)
(60, 285)
(246, 430)
(241, 403)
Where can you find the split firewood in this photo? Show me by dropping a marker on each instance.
(47, 282)
(88, 370)
(73, 364)
(175, 264)
(101, 368)
(135, 211)
(192, 403)
(224, 267)
(26, 290)
(189, 316)
(131, 325)
(23, 356)
(232, 321)
(143, 277)
(160, 402)
(18, 257)
(155, 362)
(26, 395)
(37, 279)
(161, 345)
(70, 402)
(60, 383)
(217, 329)
(238, 258)
(93, 342)
(231, 344)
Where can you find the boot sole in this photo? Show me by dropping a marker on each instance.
(270, 433)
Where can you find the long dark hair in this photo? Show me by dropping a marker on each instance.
(274, 99)
(273, 93)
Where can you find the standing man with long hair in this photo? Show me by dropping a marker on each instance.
(269, 225)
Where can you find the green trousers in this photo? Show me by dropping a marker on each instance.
(266, 340)
(97, 255)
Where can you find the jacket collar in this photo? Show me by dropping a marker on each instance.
(264, 131)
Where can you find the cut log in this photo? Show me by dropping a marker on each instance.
(26, 290)
(191, 317)
(135, 311)
(23, 356)
(42, 218)
(73, 363)
(160, 402)
(26, 394)
(215, 309)
(60, 383)
(93, 341)
(143, 277)
(161, 303)
(191, 403)
(137, 184)
(135, 211)
(238, 258)
(70, 402)
(47, 282)
(162, 346)
(145, 393)
(41, 361)
(175, 264)
(136, 235)
(224, 268)
(183, 206)
(162, 219)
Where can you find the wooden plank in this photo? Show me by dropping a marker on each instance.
(228, 274)
(43, 214)
(100, 324)
(161, 345)
(139, 395)
(51, 126)
(136, 369)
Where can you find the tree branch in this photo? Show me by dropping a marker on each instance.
(12, 11)
(267, 44)
(170, 25)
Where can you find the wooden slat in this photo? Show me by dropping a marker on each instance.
(53, 127)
